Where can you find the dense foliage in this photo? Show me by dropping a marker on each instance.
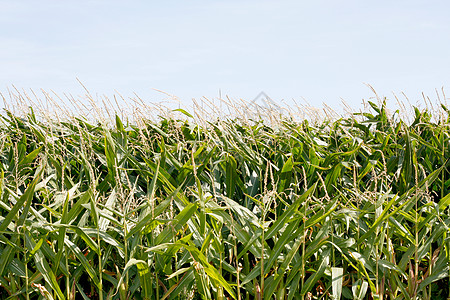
(356, 208)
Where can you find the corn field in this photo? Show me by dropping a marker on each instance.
(352, 208)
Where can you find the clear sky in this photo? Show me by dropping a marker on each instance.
(320, 51)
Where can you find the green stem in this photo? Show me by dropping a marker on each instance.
(237, 270)
(67, 278)
(26, 278)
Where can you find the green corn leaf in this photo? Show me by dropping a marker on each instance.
(43, 267)
(230, 175)
(444, 202)
(185, 283)
(84, 261)
(76, 209)
(270, 289)
(212, 272)
(103, 222)
(82, 233)
(183, 112)
(440, 270)
(290, 211)
(285, 174)
(111, 155)
(286, 237)
(24, 202)
(325, 258)
(132, 262)
(180, 220)
(30, 157)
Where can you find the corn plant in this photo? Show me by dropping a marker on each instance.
(355, 208)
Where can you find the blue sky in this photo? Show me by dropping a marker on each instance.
(315, 51)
